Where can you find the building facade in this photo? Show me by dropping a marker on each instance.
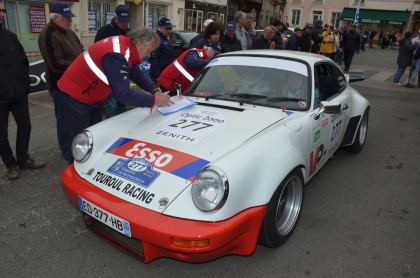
(387, 15)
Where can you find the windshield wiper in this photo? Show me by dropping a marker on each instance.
(244, 96)
(280, 99)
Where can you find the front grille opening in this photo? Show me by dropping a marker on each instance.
(129, 245)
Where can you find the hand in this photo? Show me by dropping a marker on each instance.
(163, 99)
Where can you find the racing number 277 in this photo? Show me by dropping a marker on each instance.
(185, 123)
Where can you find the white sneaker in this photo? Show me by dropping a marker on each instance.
(398, 84)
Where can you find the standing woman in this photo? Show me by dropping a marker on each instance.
(213, 32)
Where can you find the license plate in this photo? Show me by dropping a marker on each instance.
(115, 222)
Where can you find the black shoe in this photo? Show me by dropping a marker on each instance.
(408, 85)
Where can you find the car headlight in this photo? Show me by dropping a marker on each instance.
(210, 189)
(82, 145)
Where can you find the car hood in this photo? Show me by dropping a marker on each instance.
(153, 158)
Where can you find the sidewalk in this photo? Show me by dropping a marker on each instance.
(379, 66)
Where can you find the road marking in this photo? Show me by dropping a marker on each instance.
(381, 76)
(48, 106)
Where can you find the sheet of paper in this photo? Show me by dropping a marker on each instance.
(177, 106)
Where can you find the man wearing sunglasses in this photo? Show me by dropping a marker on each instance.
(14, 90)
(162, 56)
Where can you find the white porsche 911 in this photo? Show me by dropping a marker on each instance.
(222, 175)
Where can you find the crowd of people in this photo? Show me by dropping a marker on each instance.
(80, 81)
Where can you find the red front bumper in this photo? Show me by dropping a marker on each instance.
(237, 235)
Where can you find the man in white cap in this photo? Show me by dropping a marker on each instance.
(199, 36)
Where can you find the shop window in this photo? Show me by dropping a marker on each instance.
(194, 20)
(26, 19)
(212, 16)
(100, 13)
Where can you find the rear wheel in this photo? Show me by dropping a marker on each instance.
(283, 211)
(360, 139)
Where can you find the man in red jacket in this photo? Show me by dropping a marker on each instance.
(108, 66)
(184, 69)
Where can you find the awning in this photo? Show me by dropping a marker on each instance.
(376, 16)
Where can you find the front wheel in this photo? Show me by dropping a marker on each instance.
(283, 211)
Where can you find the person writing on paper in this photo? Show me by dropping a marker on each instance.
(107, 66)
(187, 66)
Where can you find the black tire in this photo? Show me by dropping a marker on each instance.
(283, 211)
(360, 139)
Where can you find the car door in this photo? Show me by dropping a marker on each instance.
(328, 130)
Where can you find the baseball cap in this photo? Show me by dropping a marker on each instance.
(62, 9)
(215, 45)
(231, 26)
(277, 22)
(309, 26)
(165, 22)
(123, 13)
(207, 22)
(297, 29)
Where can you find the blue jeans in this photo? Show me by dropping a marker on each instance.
(399, 73)
(79, 116)
(339, 58)
(113, 107)
(393, 44)
(415, 72)
(62, 136)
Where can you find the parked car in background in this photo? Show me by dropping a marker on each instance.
(180, 40)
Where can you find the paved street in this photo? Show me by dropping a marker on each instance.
(361, 213)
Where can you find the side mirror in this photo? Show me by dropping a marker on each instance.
(354, 76)
(328, 107)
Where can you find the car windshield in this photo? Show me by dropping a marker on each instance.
(271, 82)
(188, 36)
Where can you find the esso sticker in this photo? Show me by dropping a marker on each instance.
(191, 127)
(158, 158)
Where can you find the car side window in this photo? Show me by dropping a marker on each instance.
(174, 38)
(341, 79)
(327, 81)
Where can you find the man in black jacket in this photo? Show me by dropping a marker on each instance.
(351, 41)
(230, 42)
(316, 37)
(305, 39)
(265, 41)
(163, 55)
(117, 27)
(14, 89)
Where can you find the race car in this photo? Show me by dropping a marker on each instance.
(222, 169)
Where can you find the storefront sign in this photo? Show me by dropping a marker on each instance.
(37, 18)
(376, 21)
